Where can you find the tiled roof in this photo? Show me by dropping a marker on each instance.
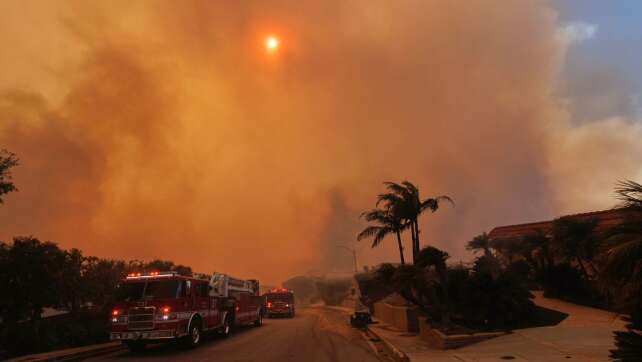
(605, 219)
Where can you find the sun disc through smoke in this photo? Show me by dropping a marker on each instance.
(272, 44)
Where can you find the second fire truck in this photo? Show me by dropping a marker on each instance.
(163, 306)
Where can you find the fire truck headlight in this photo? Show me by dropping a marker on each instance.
(166, 317)
(119, 319)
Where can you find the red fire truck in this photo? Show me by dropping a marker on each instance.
(162, 306)
(279, 301)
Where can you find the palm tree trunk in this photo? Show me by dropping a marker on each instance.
(593, 268)
(579, 261)
(414, 241)
(417, 245)
(400, 247)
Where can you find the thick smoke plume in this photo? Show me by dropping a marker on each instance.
(164, 129)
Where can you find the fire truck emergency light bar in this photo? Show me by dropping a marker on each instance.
(151, 275)
(280, 290)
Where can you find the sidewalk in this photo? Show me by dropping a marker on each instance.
(586, 335)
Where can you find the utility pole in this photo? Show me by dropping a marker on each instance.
(354, 255)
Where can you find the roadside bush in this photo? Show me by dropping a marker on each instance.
(481, 300)
(376, 284)
(64, 331)
(484, 297)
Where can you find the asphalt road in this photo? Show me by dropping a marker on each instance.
(314, 335)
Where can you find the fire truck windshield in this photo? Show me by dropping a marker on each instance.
(153, 289)
(285, 297)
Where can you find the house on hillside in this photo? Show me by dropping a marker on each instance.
(605, 220)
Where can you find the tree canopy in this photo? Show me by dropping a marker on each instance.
(7, 161)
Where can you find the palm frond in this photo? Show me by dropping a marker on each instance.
(396, 188)
(432, 204)
(368, 232)
(374, 215)
(445, 198)
(389, 200)
(479, 242)
(410, 187)
(629, 193)
(624, 258)
(380, 235)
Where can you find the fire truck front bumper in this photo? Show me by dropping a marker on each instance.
(143, 335)
(277, 311)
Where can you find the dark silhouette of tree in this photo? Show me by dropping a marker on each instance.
(101, 278)
(7, 161)
(624, 242)
(537, 250)
(386, 223)
(630, 194)
(575, 240)
(508, 249)
(628, 344)
(480, 242)
(71, 287)
(32, 273)
(622, 272)
(166, 265)
(404, 201)
(433, 258)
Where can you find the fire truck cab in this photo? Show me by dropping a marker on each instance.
(163, 306)
(279, 301)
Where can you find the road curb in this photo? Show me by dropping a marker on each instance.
(73, 354)
(398, 354)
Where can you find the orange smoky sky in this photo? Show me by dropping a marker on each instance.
(163, 129)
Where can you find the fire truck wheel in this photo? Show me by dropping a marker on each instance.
(194, 337)
(259, 321)
(135, 346)
(226, 329)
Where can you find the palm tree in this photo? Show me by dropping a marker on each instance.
(624, 253)
(576, 241)
(480, 242)
(433, 257)
(386, 223)
(624, 241)
(508, 248)
(404, 201)
(537, 251)
(623, 269)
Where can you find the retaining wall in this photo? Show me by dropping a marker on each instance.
(440, 340)
(402, 318)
